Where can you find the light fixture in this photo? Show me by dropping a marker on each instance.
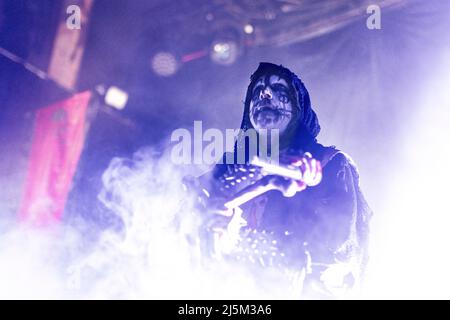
(224, 52)
(248, 28)
(164, 64)
(116, 98)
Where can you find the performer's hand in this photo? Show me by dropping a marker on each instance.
(216, 206)
(218, 215)
(311, 175)
(225, 225)
(311, 170)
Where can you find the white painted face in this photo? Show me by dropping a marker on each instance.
(271, 105)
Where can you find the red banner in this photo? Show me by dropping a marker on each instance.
(58, 140)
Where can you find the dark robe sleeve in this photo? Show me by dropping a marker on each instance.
(343, 215)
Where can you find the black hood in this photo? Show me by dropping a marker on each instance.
(304, 126)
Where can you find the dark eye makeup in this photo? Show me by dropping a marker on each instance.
(257, 89)
(283, 97)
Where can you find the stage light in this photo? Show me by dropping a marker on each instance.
(249, 29)
(116, 98)
(164, 64)
(224, 52)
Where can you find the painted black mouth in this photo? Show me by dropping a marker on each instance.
(268, 116)
(265, 108)
(269, 111)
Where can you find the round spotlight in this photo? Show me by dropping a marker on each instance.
(249, 29)
(164, 64)
(224, 52)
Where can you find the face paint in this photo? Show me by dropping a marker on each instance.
(271, 104)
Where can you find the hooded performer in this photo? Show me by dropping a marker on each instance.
(318, 225)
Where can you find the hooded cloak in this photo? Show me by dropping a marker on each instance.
(327, 224)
